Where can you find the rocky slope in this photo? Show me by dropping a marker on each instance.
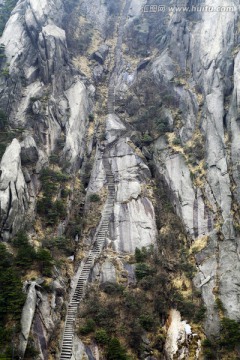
(155, 94)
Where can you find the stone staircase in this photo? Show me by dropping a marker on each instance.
(100, 238)
(78, 294)
(111, 100)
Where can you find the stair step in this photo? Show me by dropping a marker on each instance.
(68, 346)
(67, 354)
(68, 334)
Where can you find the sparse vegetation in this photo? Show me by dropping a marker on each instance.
(53, 209)
(162, 124)
(94, 198)
(223, 347)
(219, 305)
(13, 266)
(12, 299)
(85, 39)
(86, 172)
(44, 261)
(6, 134)
(91, 117)
(195, 150)
(143, 270)
(136, 315)
(146, 139)
(59, 245)
(141, 254)
(88, 327)
(5, 72)
(5, 11)
(112, 288)
(28, 258)
(2, 52)
(115, 351)
(230, 334)
(3, 119)
(102, 337)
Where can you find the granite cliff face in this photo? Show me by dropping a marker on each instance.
(150, 100)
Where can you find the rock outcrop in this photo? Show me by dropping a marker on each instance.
(28, 313)
(36, 50)
(133, 223)
(164, 109)
(14, 196)
(179, 338)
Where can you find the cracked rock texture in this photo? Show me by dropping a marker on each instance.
(44, 95)
(186, 64)
(14, 193)
(133, 220)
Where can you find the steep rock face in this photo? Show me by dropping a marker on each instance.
(27, 316)
(13, 189)
(192, 73)
(52, 51)
(183, 63)
(216, 67)
(133, 219)
(47, 102)
(43, 94)
(39, 54)
(165, 70)
(187, 199)
(29, 22)
(76, 126)
(40, 316)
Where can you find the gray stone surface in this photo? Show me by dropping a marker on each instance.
(108, 272)
(52, 51)
(29, 151)
(80, 351)
(98, 72)
(14, 195)
(28, 313)
(196, 50)
(187, 200)
(133, 224)
(77, 122)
